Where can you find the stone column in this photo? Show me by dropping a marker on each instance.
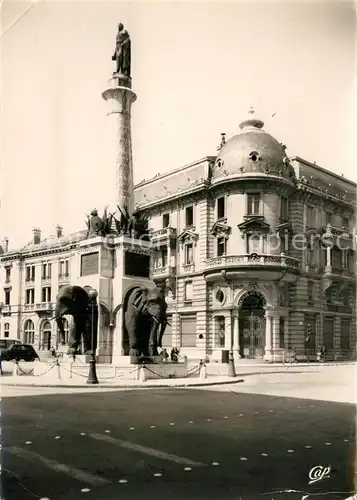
(276, 331)
(118, 337)
(119, 98)
(268, 336)
(169, 253)
(236, 346)
(328, 256)
(337, 338)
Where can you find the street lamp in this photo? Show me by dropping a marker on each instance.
(92, 376)
(231, 367)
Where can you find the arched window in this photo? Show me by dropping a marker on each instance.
(46, 331)
(7, 330)
(29, 330)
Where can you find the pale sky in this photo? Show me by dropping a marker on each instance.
(196, 69)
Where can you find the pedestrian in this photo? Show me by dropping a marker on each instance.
(165, 355)
(321, 356)
(53, 351)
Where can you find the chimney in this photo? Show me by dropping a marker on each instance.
(6, 244)
(59, 230)
(36, 235)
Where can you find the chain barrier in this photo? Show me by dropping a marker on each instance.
(189, 373)
(32, 370)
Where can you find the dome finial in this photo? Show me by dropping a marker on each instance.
(251, 121)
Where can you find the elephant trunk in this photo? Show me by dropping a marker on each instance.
(59, 321)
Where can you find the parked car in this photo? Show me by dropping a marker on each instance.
(19, 352)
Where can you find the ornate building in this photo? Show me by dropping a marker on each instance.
(255, 252)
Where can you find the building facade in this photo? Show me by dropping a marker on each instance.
(255, 252)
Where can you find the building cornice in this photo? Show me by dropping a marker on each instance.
(323, 170)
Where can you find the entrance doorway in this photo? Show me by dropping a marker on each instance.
(46, 336)
(252, 326)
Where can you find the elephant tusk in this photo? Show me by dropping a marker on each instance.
(168, 323)
(158, 322)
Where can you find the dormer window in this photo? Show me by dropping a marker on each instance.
(253, 204)
(221, 207)
(165, 220)
(254, 156)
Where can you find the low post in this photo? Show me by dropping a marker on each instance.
(92, 376)
(15, 368)
(203, 370)
(58, 370)
(231, 367)
(142, 374)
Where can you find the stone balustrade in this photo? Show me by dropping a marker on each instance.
(252, 259)
(163, 271)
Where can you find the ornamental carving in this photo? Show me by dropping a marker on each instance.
(255, 292)
(220, 229)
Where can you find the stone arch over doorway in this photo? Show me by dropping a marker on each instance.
(251, 306)
(45, 336)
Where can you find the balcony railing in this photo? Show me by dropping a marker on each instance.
(163, 271)
(63, 276)
(167, 232)
(43, 306)
(6, 309)
(29, 307)
(337, 271)
(333, 231)
(252, 259)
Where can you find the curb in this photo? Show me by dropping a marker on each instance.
(143, 385)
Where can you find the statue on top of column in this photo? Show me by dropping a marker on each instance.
(122, 53)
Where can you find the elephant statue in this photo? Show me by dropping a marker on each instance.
(75, 301)
(145, 320)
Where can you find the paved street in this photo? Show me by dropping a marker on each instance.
(177, 443)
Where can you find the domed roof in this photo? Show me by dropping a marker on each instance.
(252, 151)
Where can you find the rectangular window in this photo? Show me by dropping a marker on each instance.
(189, 216)
(8, 274)
(188, 331)
(164, 257)
(253, 202)
(282, 332)
(220, 330)
(46, 294)
(253, 243)
(284, 242)
(7, 330)
(345, 336)
(346, 223)
(311, 217)
(30, 273)
(165, 220)
(7, 297)
(63, 268)
(188, 291)
(284, 208)
(46, 271)
(329, 218)
(344, 259)
(30, 296)
(189, 253)
(310, 293)
(221, 246)
(221, 209)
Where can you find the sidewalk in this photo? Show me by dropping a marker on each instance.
(30, 381)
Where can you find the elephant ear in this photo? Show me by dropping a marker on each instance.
(140, 298)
